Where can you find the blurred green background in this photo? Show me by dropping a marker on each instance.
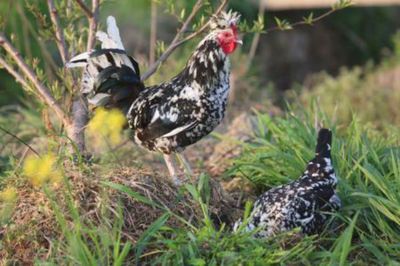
(350, 37)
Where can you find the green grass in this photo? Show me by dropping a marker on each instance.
(200, 243)
(366, 230)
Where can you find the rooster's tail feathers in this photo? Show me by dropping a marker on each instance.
(111, 77)
(79, 60)
(109, 40)
(113, 33)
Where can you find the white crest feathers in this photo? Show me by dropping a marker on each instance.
(224, 20)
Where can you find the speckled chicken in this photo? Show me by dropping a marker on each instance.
(170, 116)
(305, 203)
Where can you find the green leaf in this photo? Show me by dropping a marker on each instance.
(148, 234)
(193, 191)
(343, 244)
(342, 4)
(182, 14)
(283, 24)
(309, 19)
(132, 193)
(125, 250)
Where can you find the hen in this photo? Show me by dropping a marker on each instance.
(305, 203)
(170, 116)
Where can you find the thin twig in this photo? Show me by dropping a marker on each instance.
(43, 91)
(62, 48)
(299, 23)
(197, 6)
(93, 21)
(256, 39)
(26, 38)
(51, 66)
(20, 140)
(177, 41)
(204, 27)
(85, 9)
(18, 77)
(173, 43)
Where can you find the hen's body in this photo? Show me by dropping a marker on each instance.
(304, 203)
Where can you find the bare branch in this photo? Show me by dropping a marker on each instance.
(51, 66)
(204, 27)
(92, 16)
(80, 119)
(18, 77)
(188, 20)
(29, 74)
(177, 41)
(85, 9)
(93, 25)
(256, 39)
(62, 48)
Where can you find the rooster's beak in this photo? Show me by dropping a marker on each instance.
(239, 42)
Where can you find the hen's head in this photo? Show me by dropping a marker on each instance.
(224, 30)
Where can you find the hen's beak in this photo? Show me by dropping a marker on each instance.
(239, 41)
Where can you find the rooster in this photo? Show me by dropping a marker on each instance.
(306, 203)
(172, 115)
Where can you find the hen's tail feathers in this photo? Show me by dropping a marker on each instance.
(321, 165)
(111, 77)
(323, 149)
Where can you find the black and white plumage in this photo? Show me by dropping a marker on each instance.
(304, 203)
(172, 115)
(111, 77)
(175, 114)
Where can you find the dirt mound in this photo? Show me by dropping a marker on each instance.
(33, 225)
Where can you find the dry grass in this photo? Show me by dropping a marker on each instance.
(33, 225)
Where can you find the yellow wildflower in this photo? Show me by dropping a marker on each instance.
(41, 170)
(107, 124)
(8, 195)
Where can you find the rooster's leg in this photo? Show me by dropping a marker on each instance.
(173, 171)
(185, 164)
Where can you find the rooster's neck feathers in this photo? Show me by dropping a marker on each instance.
(207, 66)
